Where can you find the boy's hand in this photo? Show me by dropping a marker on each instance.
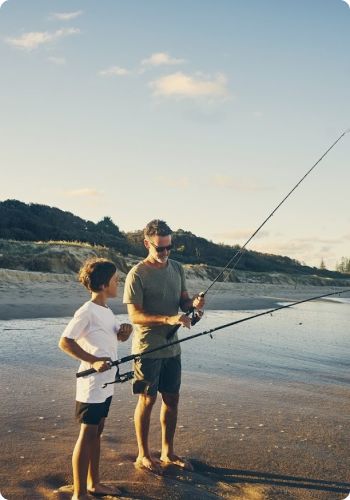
(102, 364)
(124, 332)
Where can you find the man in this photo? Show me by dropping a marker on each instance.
(155, 289)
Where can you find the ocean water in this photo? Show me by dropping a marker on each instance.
(307, 343)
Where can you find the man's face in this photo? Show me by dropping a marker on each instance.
(157, 247)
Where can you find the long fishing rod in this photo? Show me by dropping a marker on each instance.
(239, 253)
(132, 357)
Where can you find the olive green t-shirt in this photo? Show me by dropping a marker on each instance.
(156, 291)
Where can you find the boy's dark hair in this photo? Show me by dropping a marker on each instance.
(157, 227)
(95, 273)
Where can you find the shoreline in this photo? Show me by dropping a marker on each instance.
(26, 295)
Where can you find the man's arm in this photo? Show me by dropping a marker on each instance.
(139, 317)
(186, 303)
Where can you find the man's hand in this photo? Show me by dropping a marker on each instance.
(102, 364)
(181, 319)
(198, 301)
(124, 332)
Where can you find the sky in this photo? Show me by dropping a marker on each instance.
(202, 113)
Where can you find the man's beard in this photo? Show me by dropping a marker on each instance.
(162, 260)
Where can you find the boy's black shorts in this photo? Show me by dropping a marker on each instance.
(92, 413)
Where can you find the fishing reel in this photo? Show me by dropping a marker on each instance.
(196, 315)
(120, 378)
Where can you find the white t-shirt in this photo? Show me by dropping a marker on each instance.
(95, 329)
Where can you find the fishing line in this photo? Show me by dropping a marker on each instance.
(238, 255)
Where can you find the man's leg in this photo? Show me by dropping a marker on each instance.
(142, 420)
(168, 420)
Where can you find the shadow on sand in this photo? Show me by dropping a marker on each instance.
(229, 476)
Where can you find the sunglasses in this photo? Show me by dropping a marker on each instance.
(161, 249)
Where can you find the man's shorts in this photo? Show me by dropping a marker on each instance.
(92, 413)
(157, 374)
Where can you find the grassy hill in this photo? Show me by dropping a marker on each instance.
(29, 223)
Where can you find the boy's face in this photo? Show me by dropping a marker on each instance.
(112, 288)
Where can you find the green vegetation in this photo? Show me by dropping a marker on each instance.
(32, 222)
(344, 265)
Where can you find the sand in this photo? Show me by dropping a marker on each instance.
(39, 295)
(246, 441)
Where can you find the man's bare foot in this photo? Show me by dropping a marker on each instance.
(148, 464)
(177, 461)
(100, 490)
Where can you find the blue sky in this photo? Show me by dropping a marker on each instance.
(203, 113)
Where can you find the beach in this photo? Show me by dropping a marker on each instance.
(26, 294)
(263, 411)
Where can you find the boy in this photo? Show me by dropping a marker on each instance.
(91, 336)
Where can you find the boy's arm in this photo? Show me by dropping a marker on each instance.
(72, 348)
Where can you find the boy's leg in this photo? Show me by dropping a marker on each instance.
(93, 479)
(81, 458)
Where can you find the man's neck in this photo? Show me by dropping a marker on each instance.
(150, 261)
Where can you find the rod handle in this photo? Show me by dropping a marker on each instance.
(84, 373)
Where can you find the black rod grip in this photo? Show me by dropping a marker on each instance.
(84, 373)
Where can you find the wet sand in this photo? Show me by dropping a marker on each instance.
(251, 440)
(246, 441)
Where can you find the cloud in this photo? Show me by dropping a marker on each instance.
(60, 61)
(32, 40)
(174, 183)
(228, 182)
(161, 59)
(114, 71)
(347, 2)
(2, 3)
(66, 16)
(83, 193)
(182, 85)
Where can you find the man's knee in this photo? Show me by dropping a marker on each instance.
(146, 401)
(170, 400)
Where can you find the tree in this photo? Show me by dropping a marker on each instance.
(322, 264)
(106, 225)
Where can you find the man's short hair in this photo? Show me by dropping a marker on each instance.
(157, 227)
(95, 273)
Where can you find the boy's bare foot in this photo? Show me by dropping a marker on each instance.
(100, 490)
(148, 464)
(177, 461)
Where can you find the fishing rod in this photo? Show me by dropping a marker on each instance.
(131, 357)
(238, 255)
